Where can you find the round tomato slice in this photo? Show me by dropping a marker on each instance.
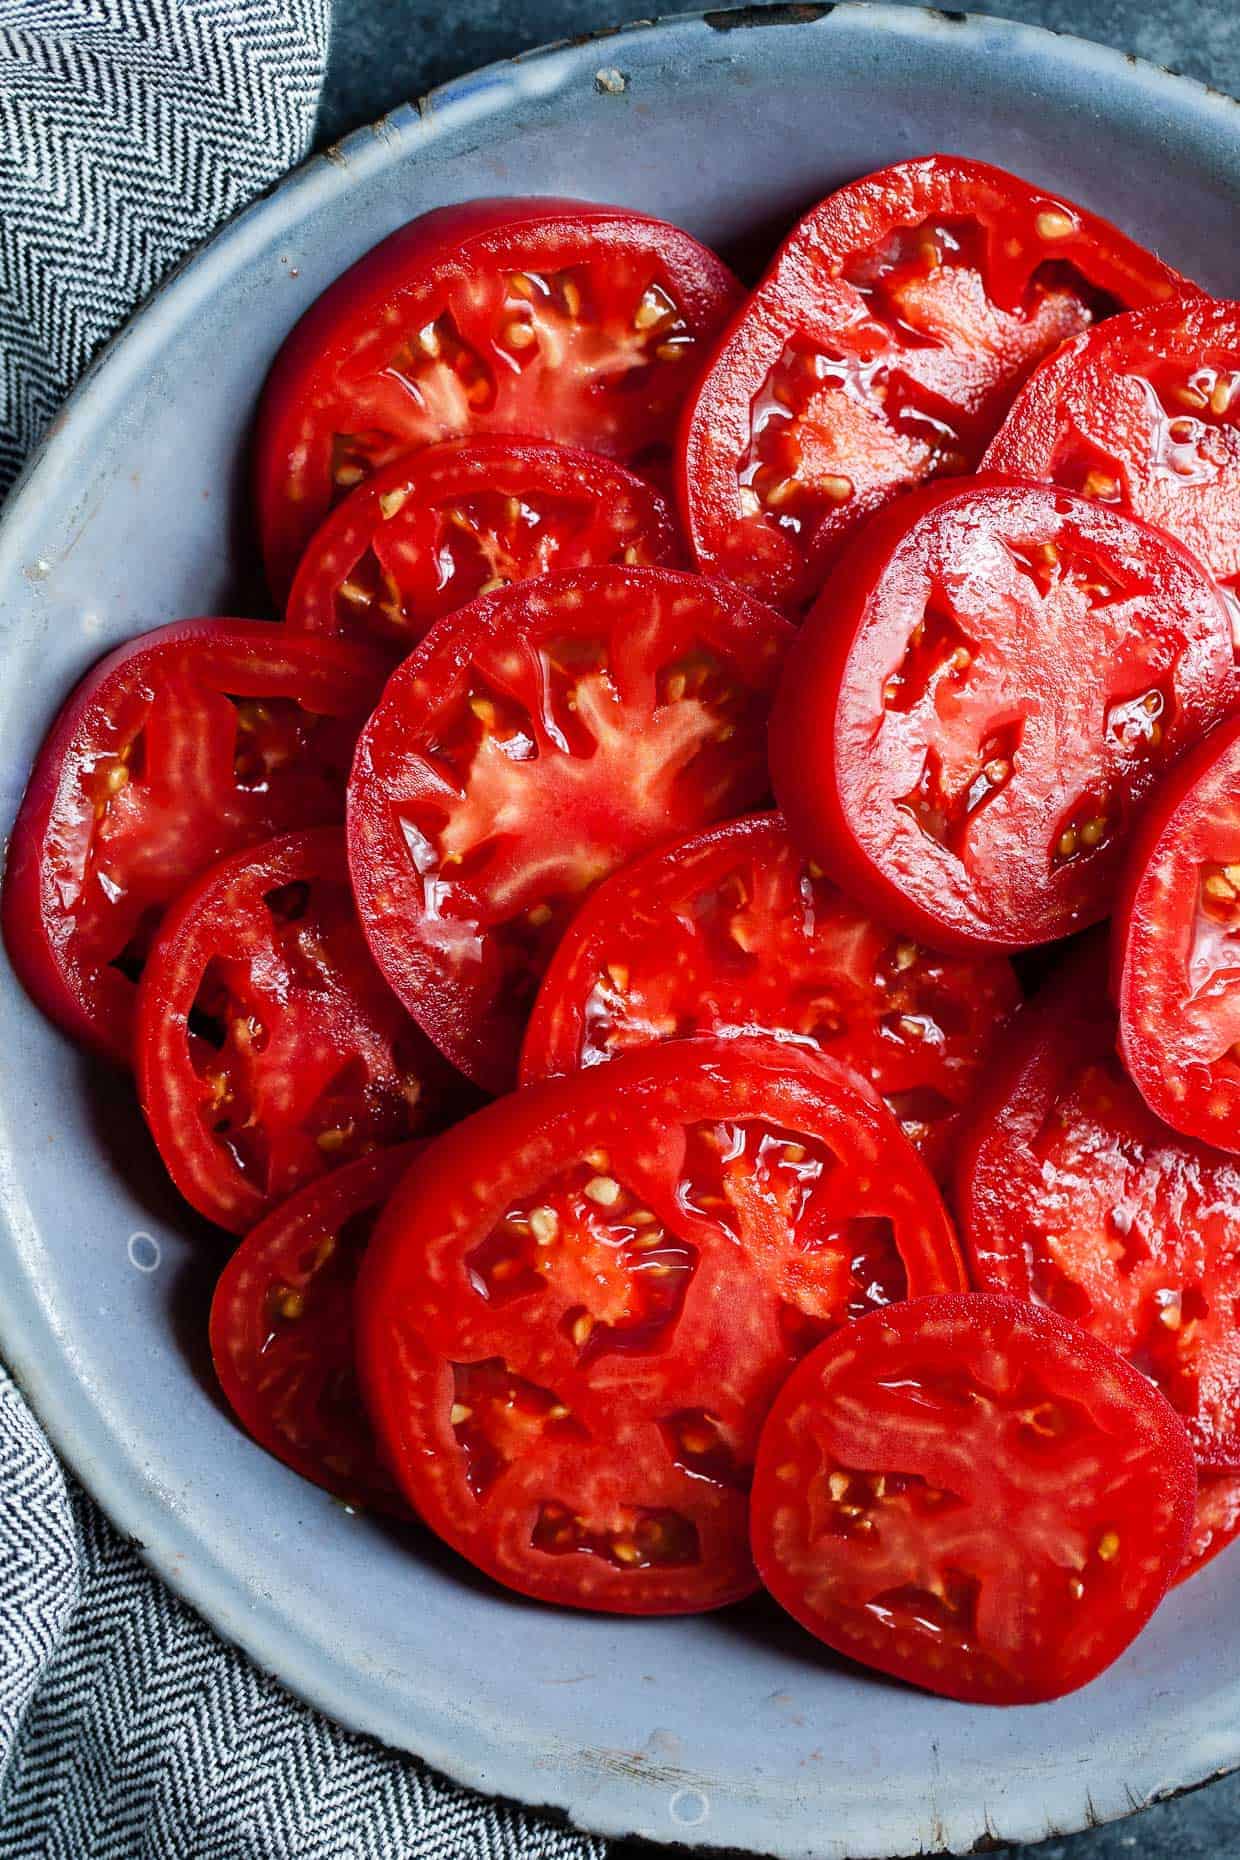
(427, 533)
(735, 933)
(268, 1048)
(1216, 1522)
(536, 740)
(282, 1331)
(181, 746)
(1144, 413)
(882, 348)
(1072, 1193)
(1177, 946)
(993, 681)
(973, 1496)
(554, 319)
(580, 1303)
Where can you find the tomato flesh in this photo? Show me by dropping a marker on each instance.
(973, 1496)
(428, 533)
(1216, 1522)
(533, 742)
(282, 1331)
(1143, 413)
(181, 746)
(993, 682)
(1177, 947)
(551, 319)
(735, 933)
(1072, 1193)
(268, 1048)
(581, 1301)
(881, 349)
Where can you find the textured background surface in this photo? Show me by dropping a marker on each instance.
(386, 51)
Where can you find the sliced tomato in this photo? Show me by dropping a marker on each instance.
(1216, 1522)
(994, 680)
(282, 1331)
(533, 742)
(1143, 413)
(882, 348)
(973, 1496)
(735, 933)
(581, 1301)
(429, 532)
(1177, 946)
(179, 747)
(268, 1047)
(554, 319)
(1072, 1193)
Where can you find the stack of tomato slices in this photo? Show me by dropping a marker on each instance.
(583, 948)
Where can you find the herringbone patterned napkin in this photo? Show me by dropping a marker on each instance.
(128, 130)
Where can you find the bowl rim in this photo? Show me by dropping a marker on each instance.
(67, 1411)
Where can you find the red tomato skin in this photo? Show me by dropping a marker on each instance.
(1193, 819)
(240, 1326)
(987, 990)
(812, 759)
(202, 1168)
(798, 295)
(42, 959)
(484, 1043)
(1216, 1523)
(1070, 1358)
(453, 470)
(529, 231)
(1058, 414)
(416, 1298)
(1068, 1026)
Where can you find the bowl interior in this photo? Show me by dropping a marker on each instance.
(729, 1730)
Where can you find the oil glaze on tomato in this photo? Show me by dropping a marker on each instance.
(882, 348)
(580, 1303)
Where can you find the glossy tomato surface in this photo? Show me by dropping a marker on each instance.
(580, 1303)
(993, 681)
(430, 531)
(1177, 946)
(1072, 1193)
(973, 1496)
(533, 742)
(882, 348)
(268, 1047)
(179, 747)
(282, 1331)
(553, 319)
(1216, 1522)
(1142, 413)
(735, 933)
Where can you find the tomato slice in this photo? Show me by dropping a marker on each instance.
(1143, 413)
(268, 1048)
(973, 1496)
(882, 348)
(994, 680)
(181, 746)
(429, 532)
(554, 319)
(282, 1331)
(536, 740)
(1177, 946)
(734, 933)
(1072, 1193)
(581, 1301)
(1216, 1522)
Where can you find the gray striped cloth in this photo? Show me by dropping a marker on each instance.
(128, 130)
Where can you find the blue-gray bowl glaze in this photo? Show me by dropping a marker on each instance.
(728, 1730)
